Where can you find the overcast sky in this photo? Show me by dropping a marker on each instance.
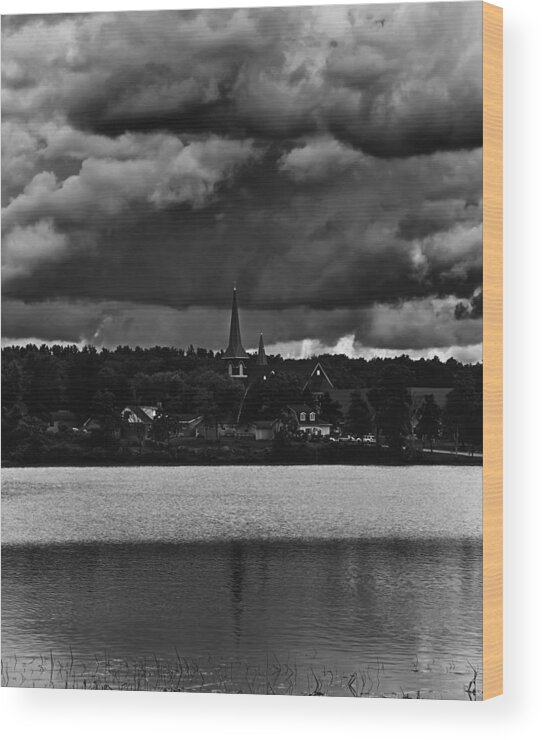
(328, 160)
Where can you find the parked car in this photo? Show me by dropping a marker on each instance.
(369, 439)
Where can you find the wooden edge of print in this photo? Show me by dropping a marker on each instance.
(492, 351)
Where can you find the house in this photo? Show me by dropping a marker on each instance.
(264, 430)
(137, 421)
(309, 421)
(189, 425)
(139, 414)
(318, 382)
(224, 428)
(61, 421)
(228, 428)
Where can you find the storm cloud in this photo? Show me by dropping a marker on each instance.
(326, 159)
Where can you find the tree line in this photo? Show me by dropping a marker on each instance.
(39, 380)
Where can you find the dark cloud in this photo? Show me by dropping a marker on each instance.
(329, 164)
(286, 242)
(470, 310)
(392, 90)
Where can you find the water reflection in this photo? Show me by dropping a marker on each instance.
(238, 554)
(319, 603)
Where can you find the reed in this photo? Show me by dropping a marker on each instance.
(182, 674)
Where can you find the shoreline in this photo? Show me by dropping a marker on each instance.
(198, 453)
(466, 462)
(182, 674)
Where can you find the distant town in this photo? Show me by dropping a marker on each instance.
(64, 405)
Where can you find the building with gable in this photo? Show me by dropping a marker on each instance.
(319, 383)
(136, 421)
(309, 421)
(239, 364)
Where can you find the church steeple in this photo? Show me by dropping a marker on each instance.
(235, 349)
(262, 359)
(235, 353)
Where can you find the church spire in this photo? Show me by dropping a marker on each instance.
(235, 349)
(262, 359)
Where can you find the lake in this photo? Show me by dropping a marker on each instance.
(334, 579)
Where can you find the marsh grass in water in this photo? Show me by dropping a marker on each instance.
(101, 672)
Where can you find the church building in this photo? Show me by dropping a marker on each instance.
(239, 364)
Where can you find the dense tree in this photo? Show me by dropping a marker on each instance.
(41, 387)
(358, 419)
(429, 420)
(82, 381)
(463, 416)
(164, 426)
(12, 384)
(391, 402)
(106, 412)
(330, 410)
(22, 434)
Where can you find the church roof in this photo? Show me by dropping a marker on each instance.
(262, 359)
(235, 349)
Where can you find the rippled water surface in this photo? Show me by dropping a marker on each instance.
(244, 578)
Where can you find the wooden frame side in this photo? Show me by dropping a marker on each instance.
(492, 351)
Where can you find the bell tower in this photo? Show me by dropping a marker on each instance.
(235, 356)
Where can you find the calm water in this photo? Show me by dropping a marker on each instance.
(260, 578)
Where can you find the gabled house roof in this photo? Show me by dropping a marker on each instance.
(300, 408)
(142, 414)
(318, 379)
(92, 422)
(188, 418)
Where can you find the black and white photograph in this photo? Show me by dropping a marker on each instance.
(242, 402)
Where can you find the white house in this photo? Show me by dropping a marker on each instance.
(309, 421)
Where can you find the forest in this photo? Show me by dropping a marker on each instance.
(38, 381)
